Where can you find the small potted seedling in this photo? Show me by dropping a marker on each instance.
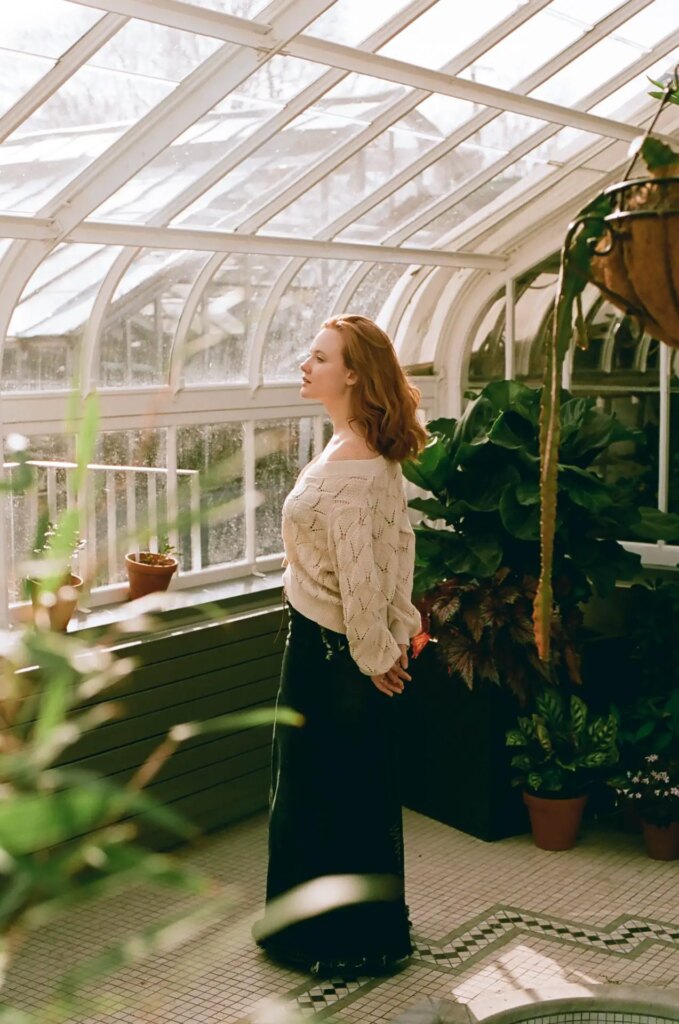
(53, 587)
(151, 571)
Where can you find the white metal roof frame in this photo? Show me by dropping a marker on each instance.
(280, 29)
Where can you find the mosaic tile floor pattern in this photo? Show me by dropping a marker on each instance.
(487, 917)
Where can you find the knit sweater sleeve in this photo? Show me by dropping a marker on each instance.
(364, 604)
(403, 618)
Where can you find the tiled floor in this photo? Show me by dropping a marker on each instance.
(486, 917)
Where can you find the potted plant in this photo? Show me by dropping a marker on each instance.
(53, 587)
(477, 552)
(150, 571)
(653, 790)
(476, 568)
(626, 242)
(560, 753)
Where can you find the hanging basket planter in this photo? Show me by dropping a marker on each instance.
(635, 263)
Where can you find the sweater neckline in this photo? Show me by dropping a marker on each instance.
(348, 467)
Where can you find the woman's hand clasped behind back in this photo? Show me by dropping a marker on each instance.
(392, 681)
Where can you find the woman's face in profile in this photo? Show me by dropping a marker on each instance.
(324, 375)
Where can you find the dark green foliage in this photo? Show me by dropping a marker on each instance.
(649, 720)
(483, 473)
(561, 750)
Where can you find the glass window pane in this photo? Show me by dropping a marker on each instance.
(516, 180)
(210, 489)
(331, 122)
(25, 511)
(620, 368)
(532, 327)
(527, 48)
(351, 21)
(649, 26)
(441, 32)
(43, 345)
(635, 91)
(140, 328)
(353, 180)
(131, 502)
(227, 318)
(455, 168)
(307, 302)
(45, 28)
(132, 73)
(487, 357)
(19, 74)
(588, 71)
(283, 448)
(207, 142)
(240, 8)
(375, 289)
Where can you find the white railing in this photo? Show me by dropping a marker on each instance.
(56, 493)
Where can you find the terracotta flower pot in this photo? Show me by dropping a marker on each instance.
(555, 823)
(148, 579)
(65, 601)
(661, 841)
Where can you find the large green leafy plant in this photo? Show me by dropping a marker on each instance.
(478, 549)
(561, 751)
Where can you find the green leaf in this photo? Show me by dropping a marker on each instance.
(586, 431)
(482, 489)
(578, 715)
(432, 508)
(595, 760)
(88, 417)
(514, 738)
(522, 521)
(527, 492)
(514, 432)
(431, 469)
(584, 488)
(654, 525)
(448, 553)
(35, 821)
(550, 708)
(544, 739)
(236, 721)
(657, 154)
(54, 702)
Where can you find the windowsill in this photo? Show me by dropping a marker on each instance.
(174, 611)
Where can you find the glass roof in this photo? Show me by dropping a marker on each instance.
(392, 124)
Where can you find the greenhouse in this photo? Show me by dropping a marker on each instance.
(189, 189)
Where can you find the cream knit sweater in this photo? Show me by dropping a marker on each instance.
(350, 550)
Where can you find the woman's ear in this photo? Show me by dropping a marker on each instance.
(350, 378)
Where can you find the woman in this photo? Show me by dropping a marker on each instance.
(349, 552)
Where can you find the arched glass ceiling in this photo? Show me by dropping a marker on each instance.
(320, 150)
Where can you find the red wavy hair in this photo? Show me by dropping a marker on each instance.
(384, 404)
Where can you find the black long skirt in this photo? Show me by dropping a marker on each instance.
(335, 806)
